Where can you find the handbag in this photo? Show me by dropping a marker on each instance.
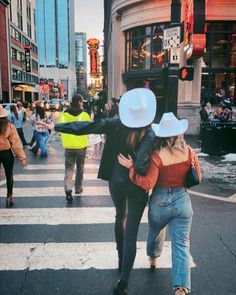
(192, 178)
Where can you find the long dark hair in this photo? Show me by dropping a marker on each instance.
(3, 125)
(13, 109)
(134, 136)
(40, 111)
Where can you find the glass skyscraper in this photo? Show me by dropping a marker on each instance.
(55, 38)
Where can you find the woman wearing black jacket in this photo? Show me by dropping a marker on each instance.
(129, 135)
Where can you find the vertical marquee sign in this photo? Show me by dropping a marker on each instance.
(27, 58)
(93, 52)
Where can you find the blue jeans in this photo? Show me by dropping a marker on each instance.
(41, 142)
(172, 207)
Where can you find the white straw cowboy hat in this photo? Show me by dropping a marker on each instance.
(170, 126)
(137, 108)
(3, 113)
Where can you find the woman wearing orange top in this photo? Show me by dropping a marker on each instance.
(170, 203)
(9, 140)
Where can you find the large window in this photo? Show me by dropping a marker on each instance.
(144, 48)
(218, 79)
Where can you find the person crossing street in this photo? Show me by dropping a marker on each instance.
(75, 147)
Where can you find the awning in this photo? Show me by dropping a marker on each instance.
(24, 88)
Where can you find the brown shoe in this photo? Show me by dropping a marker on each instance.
(153, 263)
(181, 291)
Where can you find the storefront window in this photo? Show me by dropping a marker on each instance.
(144, 48)
(218, 78)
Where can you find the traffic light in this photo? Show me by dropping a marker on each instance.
(185, 73)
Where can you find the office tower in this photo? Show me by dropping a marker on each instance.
(55, 37)
(81, 62)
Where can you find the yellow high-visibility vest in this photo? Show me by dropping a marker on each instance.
(71, 141)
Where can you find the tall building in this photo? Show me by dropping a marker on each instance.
(55, 37)
(20, 60)
(81, 62)
(4, 57)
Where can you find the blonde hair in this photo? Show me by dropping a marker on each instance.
(173, 143)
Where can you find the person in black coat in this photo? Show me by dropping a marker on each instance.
(130, 135)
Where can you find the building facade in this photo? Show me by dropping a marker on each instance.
(21, 58)
(55, 36)
(4, 56)
(139, 54)
(81, 62)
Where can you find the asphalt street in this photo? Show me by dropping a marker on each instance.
(48, 247)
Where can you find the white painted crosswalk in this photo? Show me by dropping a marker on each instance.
(55, 256)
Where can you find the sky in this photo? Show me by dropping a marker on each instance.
(89, 18)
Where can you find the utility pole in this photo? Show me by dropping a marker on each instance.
(171, 70)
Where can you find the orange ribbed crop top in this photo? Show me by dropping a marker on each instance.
(172, 175)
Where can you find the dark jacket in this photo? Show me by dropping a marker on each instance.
(116, 137)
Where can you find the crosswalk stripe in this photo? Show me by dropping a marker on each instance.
(76, 256)
(55, 191)
(47, 177)
(55, 216)
(57, 166)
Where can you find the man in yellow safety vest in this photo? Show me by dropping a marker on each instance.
(75, 147)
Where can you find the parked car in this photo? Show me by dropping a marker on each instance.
(6, 106)
(55, 104)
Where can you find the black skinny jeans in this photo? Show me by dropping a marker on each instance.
(7, 160)
(126, 230)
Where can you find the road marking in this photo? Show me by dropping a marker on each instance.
(57, 166)
(55, 216)
(48, 177)
(231, 199)
(77, 256)
(56, 191)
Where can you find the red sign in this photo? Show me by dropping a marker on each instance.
(93, 62)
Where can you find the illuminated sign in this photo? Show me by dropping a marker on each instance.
(93, 62)
(185, 73)
(27, 61)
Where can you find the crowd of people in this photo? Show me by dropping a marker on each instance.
(223, 113)
(138, 156)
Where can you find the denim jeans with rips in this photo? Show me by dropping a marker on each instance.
(41, 143)
(172, 207)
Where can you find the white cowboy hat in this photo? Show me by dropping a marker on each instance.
(170, 126)
(137, 108)
(3, 113)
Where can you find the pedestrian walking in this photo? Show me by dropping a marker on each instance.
(40, 134)
(17, 118)
(75, 147)
(130, 134)
(9, 141)
(170, 203)
(21, 109)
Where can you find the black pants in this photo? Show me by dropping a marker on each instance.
(22, 136)
(133, 201)
(7, 160)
